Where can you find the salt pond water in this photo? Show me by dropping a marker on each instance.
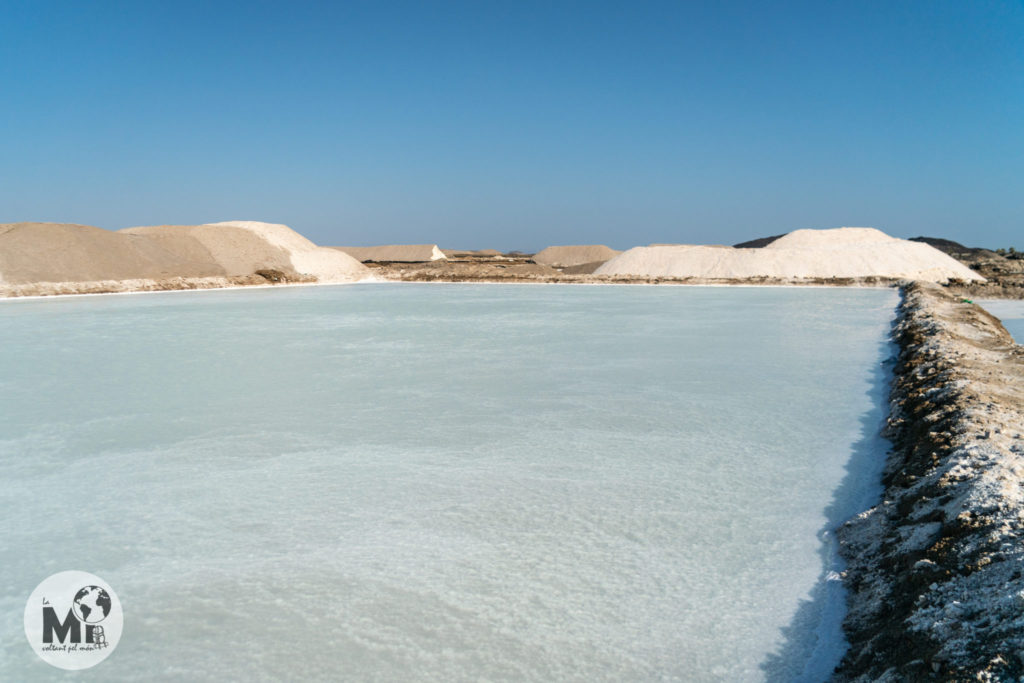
(1011, 313)
(443, 482)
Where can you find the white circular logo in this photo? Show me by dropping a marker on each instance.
(73, 620)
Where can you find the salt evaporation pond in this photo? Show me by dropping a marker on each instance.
(1011, 313)
(443, 482)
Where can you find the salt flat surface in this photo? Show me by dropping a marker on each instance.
(1011, 313)
(443, 482)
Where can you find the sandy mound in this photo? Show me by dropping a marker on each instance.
(582, 269)
(326, 265)
(408, 253)
(243, 247)
(574, 255)
(836, 253)
(63, 252)
(233, 251)
(66, 253)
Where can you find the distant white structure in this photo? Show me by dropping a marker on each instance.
(407, 253)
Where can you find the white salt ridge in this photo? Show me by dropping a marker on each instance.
(818, 254)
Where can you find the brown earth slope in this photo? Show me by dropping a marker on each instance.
(57, 258)
(62, 252)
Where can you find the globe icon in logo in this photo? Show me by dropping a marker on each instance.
(91, 605)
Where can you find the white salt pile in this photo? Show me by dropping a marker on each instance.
(405, 253)
(243, 247)
(801, 254)
(574, 255)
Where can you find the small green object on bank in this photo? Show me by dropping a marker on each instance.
(966, 301)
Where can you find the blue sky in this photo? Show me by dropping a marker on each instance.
(520, 124)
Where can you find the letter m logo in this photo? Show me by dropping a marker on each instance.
(53, 625)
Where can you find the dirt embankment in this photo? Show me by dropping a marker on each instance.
(260, 278)
(524, 269)
(998, 287)
(1004, 275)
(936, 571)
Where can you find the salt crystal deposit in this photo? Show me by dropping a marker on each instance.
(802, 254)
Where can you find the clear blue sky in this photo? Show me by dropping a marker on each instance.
(518, 124)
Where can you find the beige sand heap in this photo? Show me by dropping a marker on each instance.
(574, 255)
(80, 258)
(802, 254)
(409, 253)
(66, 252)
(244, 247)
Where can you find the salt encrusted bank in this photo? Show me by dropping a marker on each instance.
(935, 572)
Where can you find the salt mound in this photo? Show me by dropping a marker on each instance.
(574, 255)
(815, 254)
(830, 239)
(244, 247)
(325, 264)
(66, 252)
(233, 251)
(407, 253)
